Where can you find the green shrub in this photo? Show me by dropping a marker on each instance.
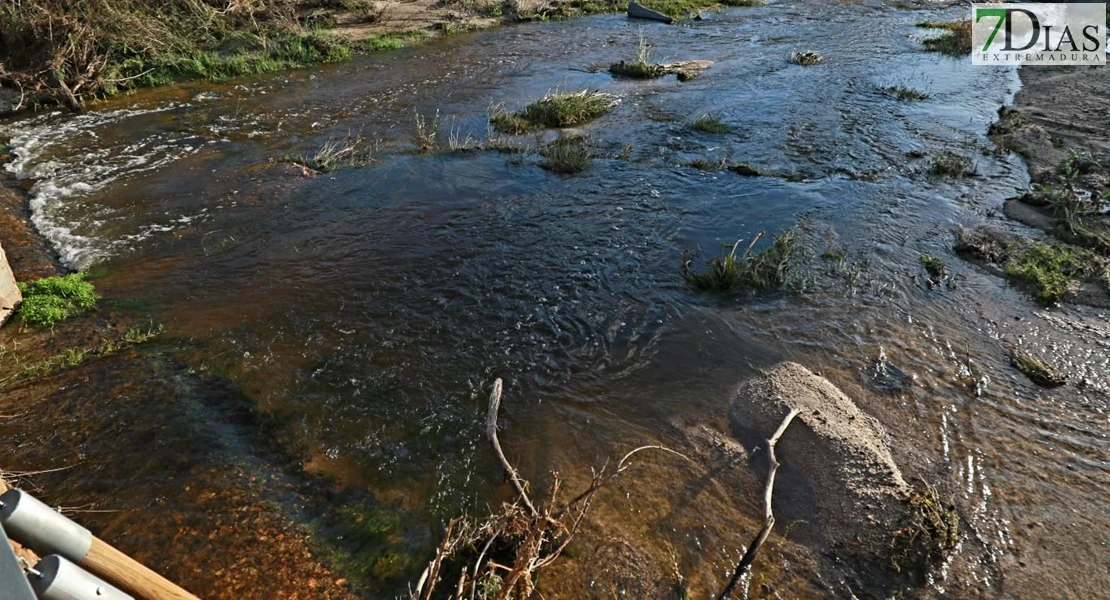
(53, 299)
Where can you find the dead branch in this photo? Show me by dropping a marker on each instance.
(491, 432)
(768, 515)
(529, 536)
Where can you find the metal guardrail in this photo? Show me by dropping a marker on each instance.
(13, 581)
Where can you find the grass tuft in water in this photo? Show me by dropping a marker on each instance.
(955, 41)
(710, 123)
(1037, 370)
(932, 533)
(709, 164)
(567, 155)
(902, 92)
(951, 164)
(806, 59)
(49, 301)
(556, 109)
(935, 267)
(334, 154)
(768, 269)
(641, 67)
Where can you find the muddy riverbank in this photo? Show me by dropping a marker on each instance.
(329, 341)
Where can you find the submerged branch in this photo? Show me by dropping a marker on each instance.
(768, 515)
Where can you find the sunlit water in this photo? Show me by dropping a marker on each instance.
(372, 307)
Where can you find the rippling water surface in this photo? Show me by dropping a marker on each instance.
(372, 307)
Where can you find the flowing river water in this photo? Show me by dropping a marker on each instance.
(370, 308)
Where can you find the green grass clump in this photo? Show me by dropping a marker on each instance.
(637, 70)
(935, 267)
(54, 299)
(1049, 270)
(955, 41)
(768, 269)
(951, 164)
(710, 123)
(556, 109)
(566, 155)
(1037, 370)
(902, 92)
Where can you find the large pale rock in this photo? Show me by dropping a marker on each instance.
(9, 293)
(846, 482)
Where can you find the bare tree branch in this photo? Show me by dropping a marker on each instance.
(768, 515)
(491, 432)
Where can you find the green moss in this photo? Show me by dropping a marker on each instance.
(768, 269)
(1049, 270)
(54, 299)
(1037, 370)
(745, 169)
(556, 109)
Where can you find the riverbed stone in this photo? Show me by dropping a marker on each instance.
(10, 297)
(837, 469)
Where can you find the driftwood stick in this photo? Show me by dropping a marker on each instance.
(768, 515)
(491, 432)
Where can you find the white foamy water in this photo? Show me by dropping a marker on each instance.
(63, 207)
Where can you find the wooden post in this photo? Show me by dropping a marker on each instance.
(46, 531)
(129, 575)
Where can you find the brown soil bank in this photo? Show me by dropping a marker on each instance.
(71, 52)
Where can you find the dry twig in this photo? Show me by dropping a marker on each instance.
(768, 515)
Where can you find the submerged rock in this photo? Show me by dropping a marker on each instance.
(10, 297)
(851, 490)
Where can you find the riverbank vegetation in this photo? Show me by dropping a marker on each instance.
(73, 51)
(51, 300)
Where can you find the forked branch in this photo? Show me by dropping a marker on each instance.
(768, 514)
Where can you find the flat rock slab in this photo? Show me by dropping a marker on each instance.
(854, 490)
(10, 297)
